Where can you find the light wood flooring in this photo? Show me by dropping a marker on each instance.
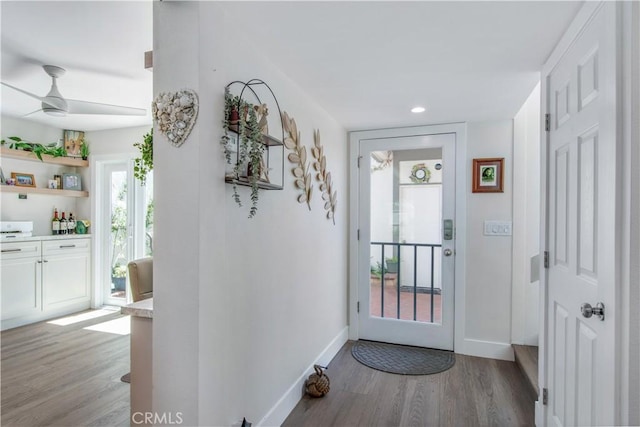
(527, 360)
(55, 375)
(475, 392)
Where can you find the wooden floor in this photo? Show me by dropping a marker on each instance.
(65, 375)
(475, 392)
(527, 360)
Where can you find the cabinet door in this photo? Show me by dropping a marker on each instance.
(21, 291)
(65, 278)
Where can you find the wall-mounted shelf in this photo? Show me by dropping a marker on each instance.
(274, 147)
(244, 181)
(47, 191)
(29, 155)
(268, 140)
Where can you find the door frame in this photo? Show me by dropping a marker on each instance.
(627, 104)
(99, 221)
(460, 131)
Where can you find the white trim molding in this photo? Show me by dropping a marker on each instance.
(281, 410)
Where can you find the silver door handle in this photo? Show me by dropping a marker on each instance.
(448, 252)
(588, 311)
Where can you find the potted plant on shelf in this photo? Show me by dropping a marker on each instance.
(240, 117)
(84, 149)
(144, 164)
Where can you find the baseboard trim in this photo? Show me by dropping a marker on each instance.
(284, 406)
(539, 414)
(489, 349)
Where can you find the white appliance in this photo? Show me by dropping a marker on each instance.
(14, 230)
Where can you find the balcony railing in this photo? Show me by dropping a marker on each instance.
(396, 250)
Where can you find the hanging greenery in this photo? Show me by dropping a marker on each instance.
(38, 149)
(144, 164)
(240, 117)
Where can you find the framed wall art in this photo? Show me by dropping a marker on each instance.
(488, 175)
(71, 181)
(23, 179)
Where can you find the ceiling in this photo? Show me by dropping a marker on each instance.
(369, 63)
(366, 63)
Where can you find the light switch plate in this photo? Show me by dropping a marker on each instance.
(497, 228)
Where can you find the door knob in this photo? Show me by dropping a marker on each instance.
(588, 311)
(448, 252)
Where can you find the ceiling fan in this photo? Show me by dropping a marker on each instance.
(55, 104)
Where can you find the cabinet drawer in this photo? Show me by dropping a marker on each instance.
(55, 247)
(16, 250)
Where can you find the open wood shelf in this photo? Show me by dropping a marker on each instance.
(244, 181)
(268, 140)
(47, 191)
(29, 155)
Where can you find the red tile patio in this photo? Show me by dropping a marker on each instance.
(423, 303)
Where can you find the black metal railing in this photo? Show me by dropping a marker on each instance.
(396, 250)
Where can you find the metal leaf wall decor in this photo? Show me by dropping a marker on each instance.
(298, 157)
(329, 196)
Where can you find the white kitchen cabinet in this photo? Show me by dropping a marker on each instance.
(42, 279)
(21, 280)
(66, 270)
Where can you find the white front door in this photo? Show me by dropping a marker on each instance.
(405, 258)
(582, 240)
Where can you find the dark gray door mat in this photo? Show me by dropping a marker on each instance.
(401, 359)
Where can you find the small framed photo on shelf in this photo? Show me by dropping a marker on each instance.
(23, 179)
(53, 184)
(71, 181)
(488, 175)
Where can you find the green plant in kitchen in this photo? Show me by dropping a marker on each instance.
(240, 116)
(144, 164)
(38, 149)
(84, 149)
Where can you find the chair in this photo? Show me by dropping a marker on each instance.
(141, 278)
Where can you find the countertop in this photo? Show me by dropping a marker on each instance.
(50, 237)
(142, 308)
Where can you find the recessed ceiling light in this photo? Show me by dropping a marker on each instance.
(417, 110)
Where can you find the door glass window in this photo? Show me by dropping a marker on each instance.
(406, 235)
(119, 241)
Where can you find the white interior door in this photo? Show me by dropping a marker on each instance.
(582, 238)
(406, 268)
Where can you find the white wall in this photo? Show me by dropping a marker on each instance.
(488, 269)
(526, 221)
(37, 207)
(242, 307)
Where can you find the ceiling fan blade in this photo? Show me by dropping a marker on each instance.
(54, 102)
(33, 112)
(39, 98)
(85, 107)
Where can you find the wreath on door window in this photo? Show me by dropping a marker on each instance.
(420, 173)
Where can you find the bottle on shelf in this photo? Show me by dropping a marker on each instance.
(63, 224)
(71, 224)
(55, 223)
